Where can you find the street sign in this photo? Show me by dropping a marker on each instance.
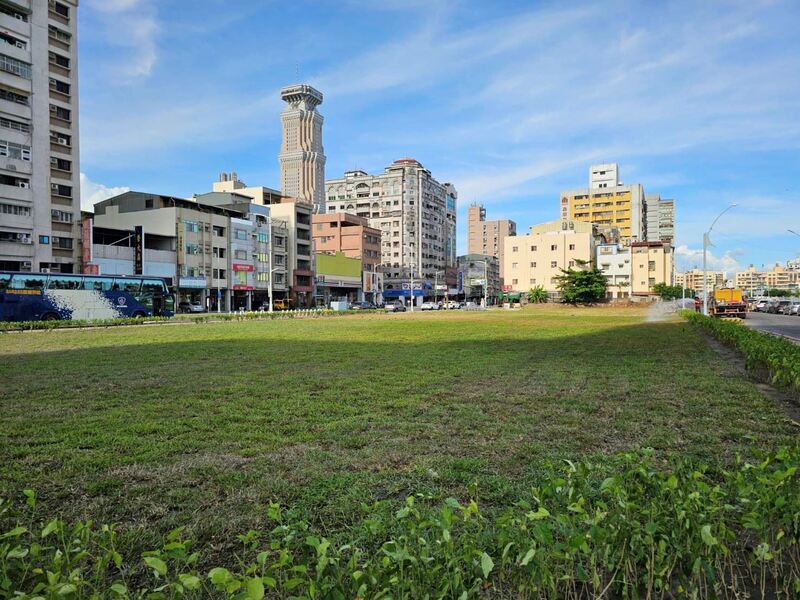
(441, 288)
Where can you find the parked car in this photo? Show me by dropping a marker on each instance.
(430, 306)
(779, 306)
(363, 305)
(453, 305)
(185, 306)
(761, 306)
(795, 309)
(785, 307)
(396, 306)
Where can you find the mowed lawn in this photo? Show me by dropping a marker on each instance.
(204, 425)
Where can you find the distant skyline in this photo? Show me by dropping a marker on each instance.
(509, 101)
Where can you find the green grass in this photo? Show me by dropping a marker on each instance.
(203, 425)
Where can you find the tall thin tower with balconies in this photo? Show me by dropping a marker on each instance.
(302, 157)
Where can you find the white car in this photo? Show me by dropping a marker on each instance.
(453, 305)
(430, 306)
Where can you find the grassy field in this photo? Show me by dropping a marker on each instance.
(204, 425)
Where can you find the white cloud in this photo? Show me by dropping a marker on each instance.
(92, 192)
(132, 25)
(687, 258)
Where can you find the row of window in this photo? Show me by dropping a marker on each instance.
(13, 150)
(553, 247)
(15, 66)
(17, 211)
(132, 285)
(553, 264)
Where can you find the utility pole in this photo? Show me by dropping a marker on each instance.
(706, 244)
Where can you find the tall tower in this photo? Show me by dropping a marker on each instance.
(302, 157)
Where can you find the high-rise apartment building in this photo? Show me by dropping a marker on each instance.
(693, 280)
(416, 215)
(39, 161)
(486, 237)
(660, 218)
(302, 157)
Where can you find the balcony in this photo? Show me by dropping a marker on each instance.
(15, 25)
(14, 81)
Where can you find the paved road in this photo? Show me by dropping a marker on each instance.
(780, 324)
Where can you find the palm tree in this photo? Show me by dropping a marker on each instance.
(537, 295)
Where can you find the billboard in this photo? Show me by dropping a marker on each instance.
(138, 250)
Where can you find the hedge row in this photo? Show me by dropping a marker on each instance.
(763, 352)
(631, 526)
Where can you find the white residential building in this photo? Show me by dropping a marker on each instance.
(615, 263)
(415, 213)
(39, 160)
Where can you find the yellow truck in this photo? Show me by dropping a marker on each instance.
(728, 302)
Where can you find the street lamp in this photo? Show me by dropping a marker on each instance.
(706, 243)
(794, 232)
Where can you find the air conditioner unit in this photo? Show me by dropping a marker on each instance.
(18, 17)
(20, 45)
(53, 108)
(24, 184)
(45, 270)
(63, 141)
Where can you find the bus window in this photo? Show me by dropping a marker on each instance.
(4, 279)
(127, 285)
(153, 286)
(98, 284)
(28, 281)
(65, 282)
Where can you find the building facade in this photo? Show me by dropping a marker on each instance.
(693, 280)
(756, 282)
(614, 260)
(40, 215)
(538, 257)
(660, 218)
(651, 264)
(416, 216)
(302, 158)
(479, 275)
(487, 237)
(351, 236)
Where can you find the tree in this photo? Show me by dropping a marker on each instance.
(537, 295)
(583, 285)
(672, 292)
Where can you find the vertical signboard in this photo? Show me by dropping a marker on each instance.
(86, 239)
(460, 281)
(138, 250)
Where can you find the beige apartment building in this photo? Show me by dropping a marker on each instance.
(608, 203)
(651, 264)
(40, 208)
(693, 279)
(488, 237)
(538, 257)
(755, 281)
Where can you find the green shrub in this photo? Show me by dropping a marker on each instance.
(632, 526)
(779, 357)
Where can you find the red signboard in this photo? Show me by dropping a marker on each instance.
(239, 287)
(91, 269)
(242, 267)
(506, 288)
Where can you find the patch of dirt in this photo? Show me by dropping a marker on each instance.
(788, 403)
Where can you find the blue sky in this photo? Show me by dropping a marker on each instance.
(510, 101)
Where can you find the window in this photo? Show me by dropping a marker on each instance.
(62, 139)
(6, 10)
(44, 239)
(219, 252)
(219, 231)
(651, 265)
(571, 263)
(514, 265)
(515, 248)
(57, 59)
(99, 284)
(572, 246)
(262, 237)
(533, 265)
(12, 150)
(147, 203)
(514, 282)
(553, 264)
(58, 34)
(60, 9)
(240, 254)
(64, 282)
(62, 243)
(13, 209)
(554, 247)
(61, 190)
(190, 227)
(533, 248)
(28, 282)
(61, 216)
(60, 112)
(153, 286)
(59, 86)
(193, 249)
(17, 67)
(127, 284)
(240, 234)
(15, 125)
(533, 280)
(66, 165)
(218, 274)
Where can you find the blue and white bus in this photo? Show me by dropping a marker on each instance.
(61, 296)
